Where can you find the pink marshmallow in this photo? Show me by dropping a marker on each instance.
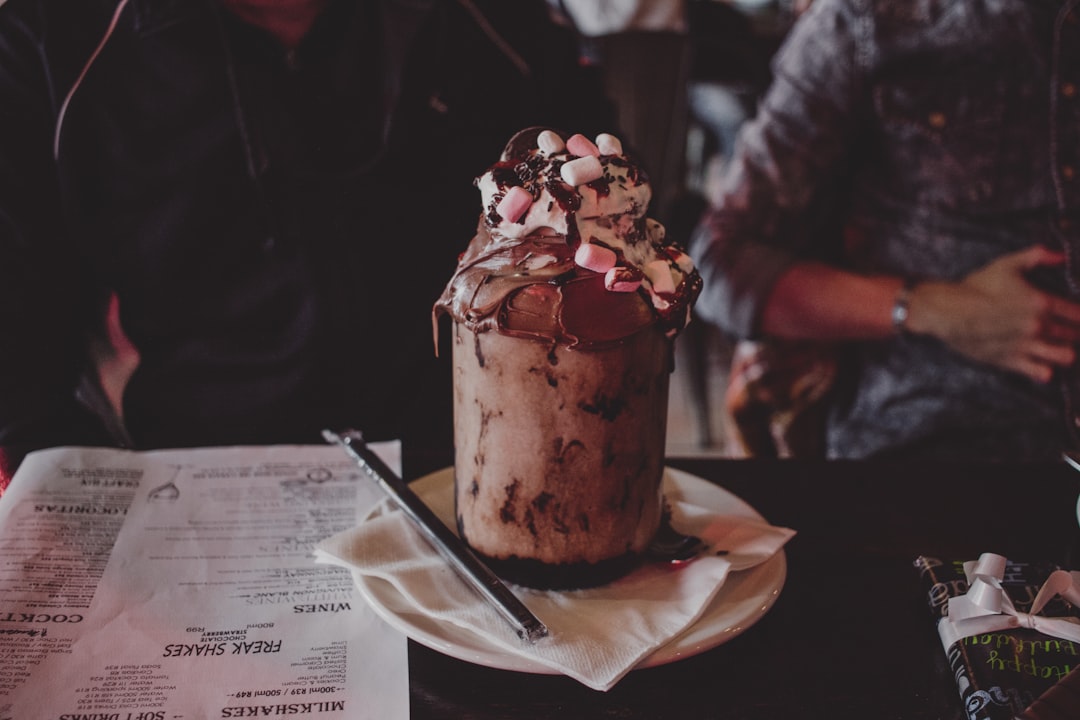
(514, 204)
(622, 279)
(582, 170)
(659, 274)
(608, 144)
(595, 257)
(582, 146)
(549, 142)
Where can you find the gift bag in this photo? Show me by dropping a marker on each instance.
(1010, 641)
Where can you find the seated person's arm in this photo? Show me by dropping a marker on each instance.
(993, 315)
(772, 268)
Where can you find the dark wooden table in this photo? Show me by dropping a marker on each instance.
(850, 635)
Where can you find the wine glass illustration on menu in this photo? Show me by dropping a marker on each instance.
(169, 491)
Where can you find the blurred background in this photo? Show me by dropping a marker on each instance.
(684, 76)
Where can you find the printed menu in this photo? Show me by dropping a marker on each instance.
(180, 584)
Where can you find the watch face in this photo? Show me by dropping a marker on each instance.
(900, 305)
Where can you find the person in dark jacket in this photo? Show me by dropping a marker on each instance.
(275, 192)
(908, 188)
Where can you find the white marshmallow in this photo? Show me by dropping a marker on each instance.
(659, 274)
(549, 142)
(685, 263)
(582, 170)
(608, 144)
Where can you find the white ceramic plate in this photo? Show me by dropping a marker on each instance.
(744, 598)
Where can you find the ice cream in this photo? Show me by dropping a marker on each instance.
(565, 308)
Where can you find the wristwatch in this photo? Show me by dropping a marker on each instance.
(901, 305)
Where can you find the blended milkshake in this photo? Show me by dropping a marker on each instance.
(565, 309)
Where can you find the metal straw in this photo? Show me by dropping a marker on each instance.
(449, 545)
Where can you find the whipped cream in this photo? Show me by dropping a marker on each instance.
(606, 206)
(557, 211)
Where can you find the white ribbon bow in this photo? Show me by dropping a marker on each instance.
(987, 608)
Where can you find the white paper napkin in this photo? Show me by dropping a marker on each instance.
(597, 635)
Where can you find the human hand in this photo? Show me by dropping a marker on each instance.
(996, 316)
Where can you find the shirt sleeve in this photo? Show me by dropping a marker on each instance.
(782, 188)
(45, 298)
